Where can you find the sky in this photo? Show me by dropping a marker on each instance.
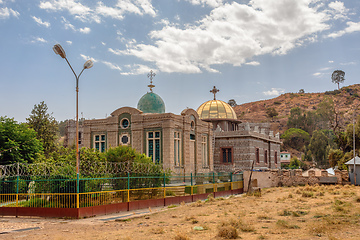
(250, 50)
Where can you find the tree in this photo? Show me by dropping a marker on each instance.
(296, 118)
(45, 125)
(335, 155)
(295, 163)
(18, 142)
(320, 147)
(295, 138)
(271, 112)
(301, 91)
(232, 102)
(338, 76)
(62, 125)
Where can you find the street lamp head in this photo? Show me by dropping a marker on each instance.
(59, 50)
(88, 64)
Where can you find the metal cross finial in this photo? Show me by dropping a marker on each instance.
(151, 75)
(214, 91)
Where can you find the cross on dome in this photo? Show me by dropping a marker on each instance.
(214, 91)
(151, 75)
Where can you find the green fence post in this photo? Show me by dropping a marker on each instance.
(77, 190)
(191, 184)
(128, 187)
(214, 180)
(17, 186)
(164, 186)
(17, 190)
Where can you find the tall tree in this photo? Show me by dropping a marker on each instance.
(320, 147)
(45, 125)
(18, 142)
(232, 102)
(338, 76)
(296, 138)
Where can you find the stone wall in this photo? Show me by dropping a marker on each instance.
(276, 178)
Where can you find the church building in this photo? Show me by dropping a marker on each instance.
(209, 139)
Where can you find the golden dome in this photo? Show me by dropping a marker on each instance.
(216, 109)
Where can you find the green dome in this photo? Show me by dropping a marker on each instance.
(151, 103)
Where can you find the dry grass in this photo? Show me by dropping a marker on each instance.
(332, 212)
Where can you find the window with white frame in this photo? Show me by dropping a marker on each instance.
(99, 142)
(153, 146)
(204, 151)
(177, 148)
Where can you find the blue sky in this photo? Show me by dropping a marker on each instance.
(250, 50)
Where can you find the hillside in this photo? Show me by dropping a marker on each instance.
(346, 99)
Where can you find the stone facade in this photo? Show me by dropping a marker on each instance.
(276, 178)
(70, 136)
(129, 126)
(245, 142)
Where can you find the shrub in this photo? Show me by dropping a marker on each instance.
(227, 232)
(181, 236)
(307, 194)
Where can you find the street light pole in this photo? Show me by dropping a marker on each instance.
(88, 64)
(354, 147)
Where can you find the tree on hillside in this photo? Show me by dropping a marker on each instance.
(232, 102)
(335, 155)
(301, 91)
(271, 112)
(296, 118)
(306, 121)
(337, 77)
(320, 147)
(296, 138)
(18, 142)
(45, 125)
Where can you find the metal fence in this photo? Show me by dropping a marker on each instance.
(63, 192)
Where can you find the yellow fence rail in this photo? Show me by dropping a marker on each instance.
(99, 198)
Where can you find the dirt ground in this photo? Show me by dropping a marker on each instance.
(308, 212)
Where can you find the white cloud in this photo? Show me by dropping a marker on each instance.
(253, 63)
(348, 63)
(75, 8)
(317, 74)
(40, 22)
(88, 58)
(85, 30)
(274, 92)
(68, 25)
(38, 39)
(352, 27)
(211, 3)
(85, 13)
(232, 34)
(338, 10)
(104, 44)
(69, 42)
(139, 7)
(112, 65)
(331, 61)
(137, 69)
(8, 12)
